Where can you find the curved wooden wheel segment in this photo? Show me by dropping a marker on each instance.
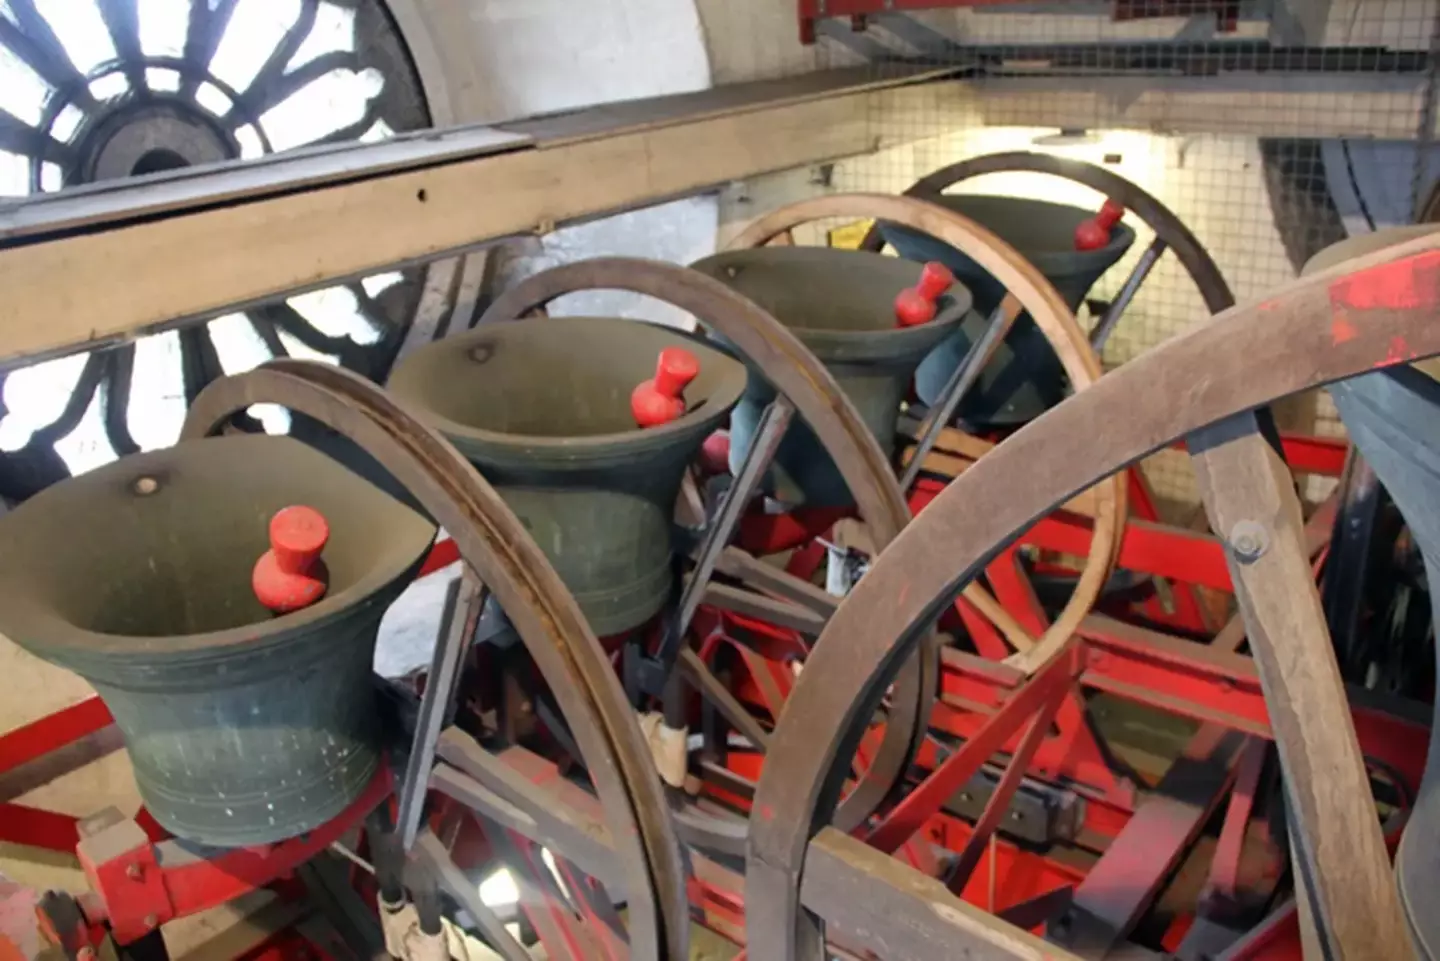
(507, 562)
(1323, 328)
(1170, 232)
(1028, 291)
(805, 383)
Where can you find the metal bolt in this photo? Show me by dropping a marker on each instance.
(151, 920)
(1249, 540)
(145, 486)
(133, 871)
(86, 953)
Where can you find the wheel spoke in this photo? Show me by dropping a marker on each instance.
(35, 43)
(274, 66)
(265, 329)
(291, 321)
(202, 37)
(351, 131)
(960, 383)
(19, 137)
(768, 434)
(122, 19)
(463, 606)
(76, 406)
(115, 399)
(258, 100)
(1128, 290)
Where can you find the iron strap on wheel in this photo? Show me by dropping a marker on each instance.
(1386, 305)
(492, 541)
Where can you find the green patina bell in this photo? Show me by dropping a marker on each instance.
(1024, 377)
(243, 727)
(841, 304)
(542, 408)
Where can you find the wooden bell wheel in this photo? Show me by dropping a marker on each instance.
(1028, 291)
(1170, 232)
(805, 389)
(805, 882)
(644, 863)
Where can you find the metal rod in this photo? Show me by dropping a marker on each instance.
(454, 882)
(1128, 290)
(768, 434)
(960, 383)
(462, 617)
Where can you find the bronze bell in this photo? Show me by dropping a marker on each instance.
(841, 304)
(243, 727)
(1024, 377)
(542, 408)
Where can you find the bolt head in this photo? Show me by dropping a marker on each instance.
(151, 920)
(133, 871)
(1249, 540)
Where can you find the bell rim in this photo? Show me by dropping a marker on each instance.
(957, 301)
(894, 346)
(87, 651)
(718, 403)
(1049, 262)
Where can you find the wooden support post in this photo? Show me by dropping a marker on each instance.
(1339, 851)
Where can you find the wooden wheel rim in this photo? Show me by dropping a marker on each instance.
(493, 542)
(1043, 302)
(1260, 353)
(796, 373)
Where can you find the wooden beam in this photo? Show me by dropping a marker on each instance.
(1337, 846)
(126, 260)
(873, 901)
(1269, 105)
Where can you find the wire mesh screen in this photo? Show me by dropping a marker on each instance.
(1271, 130)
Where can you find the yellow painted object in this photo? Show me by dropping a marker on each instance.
(848, 236)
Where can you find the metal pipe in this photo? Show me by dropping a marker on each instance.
(960, 383)
(1128, 290)
(463, 604)
(768, 434)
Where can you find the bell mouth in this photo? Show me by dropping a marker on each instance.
(840, 303)
(1363, 244)
(1042, 232)
(559, 386)
(151, 557)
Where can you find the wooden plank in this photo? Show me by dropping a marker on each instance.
(872, 901)
(198, 259)
(779, 612)
(216, 184)
(497, 790)
(1338, 847)
(1121, 887)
